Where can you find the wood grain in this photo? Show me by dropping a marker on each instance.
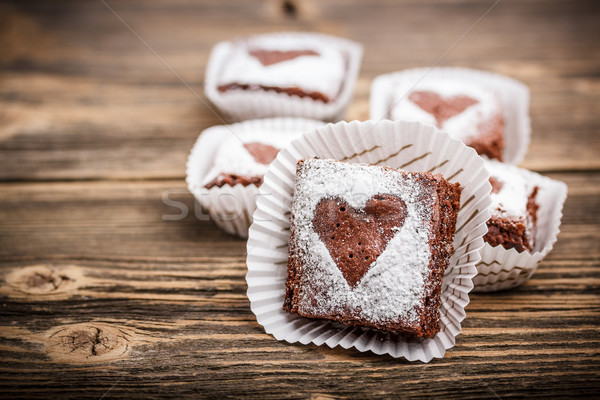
(76, 81)
(113, 284)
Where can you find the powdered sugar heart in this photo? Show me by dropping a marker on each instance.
(354, 237)
(442, 108)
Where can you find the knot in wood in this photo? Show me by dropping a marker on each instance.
(87, 343)
(44, 279)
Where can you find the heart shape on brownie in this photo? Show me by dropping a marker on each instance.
(270, 57)
(262, 153)
(442, 108)
(354, 237)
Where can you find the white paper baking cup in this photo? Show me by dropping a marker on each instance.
(514, 97)
(240, 105)
(407, 145)
(500, 268)
(231, 207)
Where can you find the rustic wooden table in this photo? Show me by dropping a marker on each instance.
(105, 292)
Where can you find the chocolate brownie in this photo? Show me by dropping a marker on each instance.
(295, 65)
(514, 208)
(461, 107)
(369, 245)
(243, 158)
(232, 179)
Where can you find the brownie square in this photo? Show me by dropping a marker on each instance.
(369, 245)
(514, 208)
(292, 64)
(464, 108)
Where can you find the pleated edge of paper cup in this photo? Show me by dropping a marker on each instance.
(383, 85)
(242, 105)
(256, 263)
(235, 221)
(502, 269)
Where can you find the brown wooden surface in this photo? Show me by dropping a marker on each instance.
(101, 296)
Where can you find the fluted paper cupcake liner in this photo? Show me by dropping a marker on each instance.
(407, 145)
(514, 97)
(231, 207)
(500, 268)
(241, 105)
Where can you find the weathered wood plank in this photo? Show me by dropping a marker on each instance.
(108, 220)
(82, 98)
(174, 345)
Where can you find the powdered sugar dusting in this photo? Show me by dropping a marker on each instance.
(232, 158)
(323, 73)
(394, 286)
(463, 125)
(511, 200)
